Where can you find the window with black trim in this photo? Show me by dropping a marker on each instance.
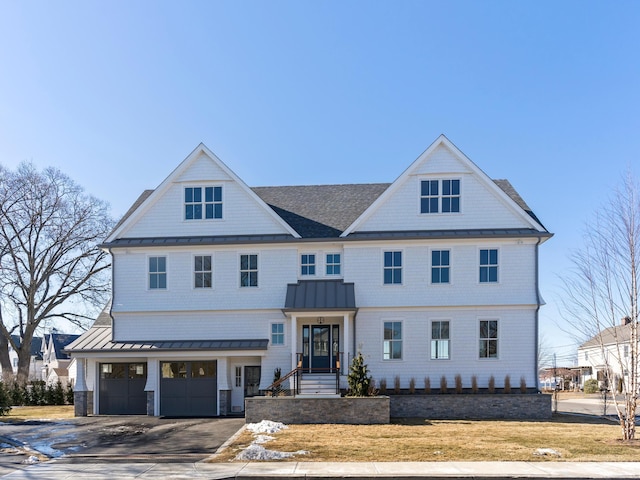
(440, 339)
(392, 344)
(488, 339)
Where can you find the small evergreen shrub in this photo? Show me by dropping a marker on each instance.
(5, 404)
(359, 379)
(68, 395)
(474, 384)
(491, 387)
(427, 385)
(458, 381)
(507, 384)
(523, 385)
(591, 386)
(443, 384)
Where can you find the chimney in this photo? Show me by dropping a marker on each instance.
(626, 320)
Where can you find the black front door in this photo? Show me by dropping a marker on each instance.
(251, 381)
(320, 347)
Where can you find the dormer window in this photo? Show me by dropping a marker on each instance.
(202, 203)
(440, 196)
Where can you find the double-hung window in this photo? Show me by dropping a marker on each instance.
(392, 344)
(488, 339)
(392, 268)
(489, 265)
(202, 202)
(277, 334)
(202, 271)
(440, 196)
(440, 266)
(308, 264)
(333, 264)
(157, 272)
(440, 339)
(249, 270)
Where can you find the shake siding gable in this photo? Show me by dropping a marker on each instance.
(203, 169)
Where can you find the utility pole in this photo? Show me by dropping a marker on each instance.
(555, 385)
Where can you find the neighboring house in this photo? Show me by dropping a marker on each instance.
(55, 360)
(216, 285)
(35, 364)
(607, 352)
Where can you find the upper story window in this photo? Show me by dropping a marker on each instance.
(202, 202)
(333, 264)
(392, 268)
(277, 334)
(157, 272)
(440, 196)
(489, 265)
(488, 339)
(440, 339)
(440, 266)
(249, 270)
(202, 271)
(392, 345)
(308, 264)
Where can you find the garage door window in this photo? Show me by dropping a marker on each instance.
(174, 370)
(113, 370)
(203, 370)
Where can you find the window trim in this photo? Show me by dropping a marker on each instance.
(489, 265)
(497, 338)
(393, 267)
(431, 266)
(257, 270)
(203, 203)
(333, 264)
(166, 273)
(431, 340)
(401, 340)
(440, 179)
(284, 335)
(308, 265)
(195, 272)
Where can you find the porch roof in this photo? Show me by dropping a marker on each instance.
(320, 295)
(98, 339)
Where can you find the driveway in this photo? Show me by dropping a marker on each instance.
(116, 438)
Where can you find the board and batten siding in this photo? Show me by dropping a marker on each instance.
(516, 346)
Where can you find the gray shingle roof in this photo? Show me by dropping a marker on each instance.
(320, 295)
(610, 336)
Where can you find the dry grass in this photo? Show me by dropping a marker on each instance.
(21, 414)
(576, 438)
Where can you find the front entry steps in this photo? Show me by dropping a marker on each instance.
(316, 385)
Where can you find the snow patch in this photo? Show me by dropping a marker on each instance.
(31, 460)
(255, 451)
(266, 426)
(547, 452)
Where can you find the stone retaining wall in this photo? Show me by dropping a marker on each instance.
(292, 410)
(479, 406)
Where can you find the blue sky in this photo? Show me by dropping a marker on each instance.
(544, 93)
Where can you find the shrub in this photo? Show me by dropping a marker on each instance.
(383, 386)
(412, 385)
(507, 384)
(427, 385)
(443, 384)
(359, 379)
(396, 385)
(492, 385)
(523, 385)
(474, 384)
(68, 395)
(458, 380)
(5, 404)
(591, 386)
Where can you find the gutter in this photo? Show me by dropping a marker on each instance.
(538, 306)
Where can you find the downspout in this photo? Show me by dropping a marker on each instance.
(113, 269)
(538, 306)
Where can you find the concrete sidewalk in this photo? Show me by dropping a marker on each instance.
(324, 470)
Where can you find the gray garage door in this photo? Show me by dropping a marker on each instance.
(122, 389)
(188, 389)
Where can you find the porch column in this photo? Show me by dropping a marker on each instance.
(80, 394)
(347, 343)
(224, 390)
(151, 387)
(294, 342)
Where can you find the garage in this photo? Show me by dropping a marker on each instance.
(122, 389)
(188, 389)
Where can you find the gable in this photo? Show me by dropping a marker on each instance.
(483, 203)
(162, 212)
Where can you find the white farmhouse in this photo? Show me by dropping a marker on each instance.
(216, 285)
(607, 356)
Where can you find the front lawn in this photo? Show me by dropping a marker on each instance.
(49, 412)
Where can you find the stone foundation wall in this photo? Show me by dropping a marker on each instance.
(82, 404)
(457, 406)
(293, 410)
(151, 404)
(225, 402)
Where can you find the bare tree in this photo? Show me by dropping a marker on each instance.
(602, 290)
(50, 265)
